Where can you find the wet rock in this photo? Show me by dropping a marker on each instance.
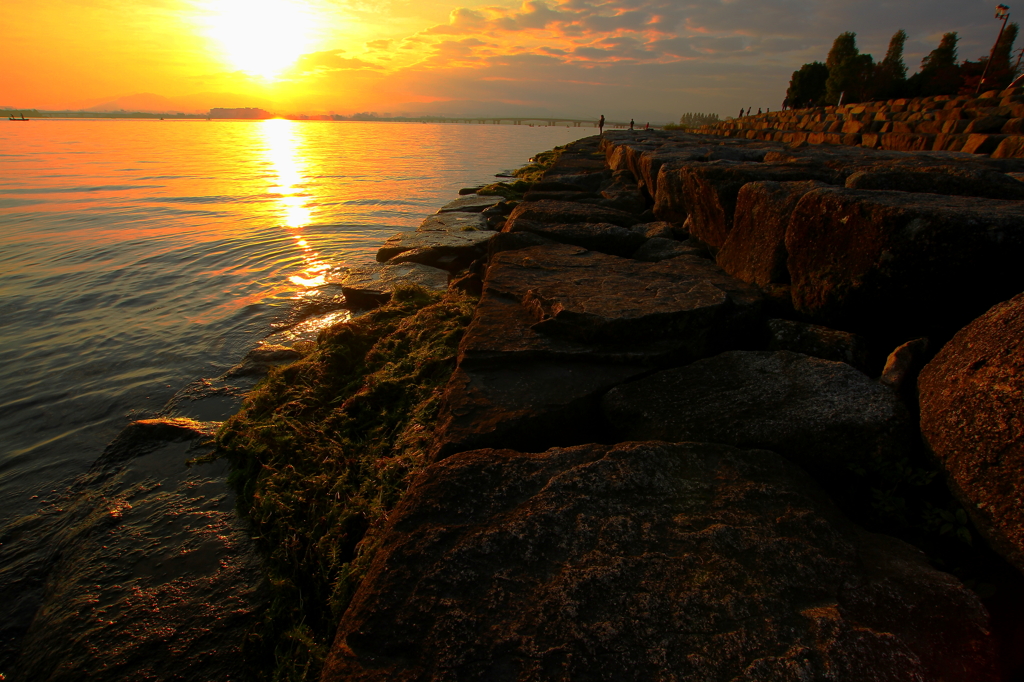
(659, 249)
(711, 191)
(819, 413)
(454, 222)
(817, 341)
(971, 395)
(472, 203)
(603, 237)
(755, 250)
(900, 264)
(903, 364)
(647, 561)
(372, 285)
(448, 250)
(562, 212)
(951, 180)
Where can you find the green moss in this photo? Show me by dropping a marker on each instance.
(539, 164)
(321, 450)
(508, 190)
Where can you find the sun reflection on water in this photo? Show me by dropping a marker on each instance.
(292, 169)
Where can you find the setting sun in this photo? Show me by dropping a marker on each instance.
(261, 37)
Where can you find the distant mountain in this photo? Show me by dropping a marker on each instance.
(477, 109)
(198, 103)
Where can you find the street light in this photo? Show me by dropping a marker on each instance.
(1002, 12)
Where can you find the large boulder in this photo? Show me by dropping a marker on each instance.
(755, 250)
(819, 342)
(711, 190)
(902, 264)
(951, 180)
(647, 561)
(819, 413)
(971, 397)
(472, 203)
(454, 222)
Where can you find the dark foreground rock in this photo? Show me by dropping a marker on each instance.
(972, 419)
(561, 212)
(820, 414)
(817, 341)
(647, 561)
(603, 237)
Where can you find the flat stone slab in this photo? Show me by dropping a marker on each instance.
(603, 237)
(372, 285)
(472, 203)
(819, 413)
(647, 561)
(972, 402)
(564, 300)
(448, 250)
(453, 222)
(562, 212)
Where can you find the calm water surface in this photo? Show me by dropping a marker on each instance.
(139, 256)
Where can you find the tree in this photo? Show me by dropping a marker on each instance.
(891, 74)
(1000, 70)
(939, 74)
(807, 86)
(849, 72)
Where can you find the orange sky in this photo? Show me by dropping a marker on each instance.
(638, 58)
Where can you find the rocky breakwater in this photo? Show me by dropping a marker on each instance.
(688, 385)
(990, 124)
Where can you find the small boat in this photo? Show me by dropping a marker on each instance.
(11, 118)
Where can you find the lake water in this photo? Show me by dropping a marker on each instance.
(139, 256)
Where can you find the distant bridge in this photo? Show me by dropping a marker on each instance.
(520, 120)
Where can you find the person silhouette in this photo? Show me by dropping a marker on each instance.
(600, 125)
(741, 113)
(630, 124)
(759, 111)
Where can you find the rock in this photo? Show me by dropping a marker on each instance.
(510, 241)
(971, 395)
(1010, 148)
(647, 561)
(469, 190)
(661, 230)
(755, 250)
(579, 196)
(903, 364)
(472, 203)
(900, 264)
(562, 212)
(819, 342)
(588, 296)
(453, 222)
(659, 249)
(603, 237)
(449, 250)
(711, 191)
(468, 284)
(372, 285)
(821, 414)
(982, 144)
(952, 180)
(986, 124)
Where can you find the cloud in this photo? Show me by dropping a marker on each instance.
(330, 60)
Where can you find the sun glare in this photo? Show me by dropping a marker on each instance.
(262, 37)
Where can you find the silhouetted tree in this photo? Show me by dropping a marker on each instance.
(891, 74)
(1000, 70)
(939, 74)
(849, 71)
(807, 86)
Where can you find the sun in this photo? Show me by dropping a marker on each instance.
(261, 37)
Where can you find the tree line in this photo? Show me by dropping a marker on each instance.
(855, 77)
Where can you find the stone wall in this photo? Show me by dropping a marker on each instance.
(991, 124)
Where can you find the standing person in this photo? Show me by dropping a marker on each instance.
(648, 126)
(600, 126)
(630, 124)
(759, 111)
(785, 104)
(741, 113)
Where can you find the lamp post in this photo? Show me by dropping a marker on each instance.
(1002, 12)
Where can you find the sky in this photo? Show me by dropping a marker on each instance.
(652, 60)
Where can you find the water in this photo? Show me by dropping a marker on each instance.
(139, 256)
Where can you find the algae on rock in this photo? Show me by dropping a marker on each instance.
(322, 450)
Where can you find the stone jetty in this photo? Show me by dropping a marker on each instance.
(684, 345)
